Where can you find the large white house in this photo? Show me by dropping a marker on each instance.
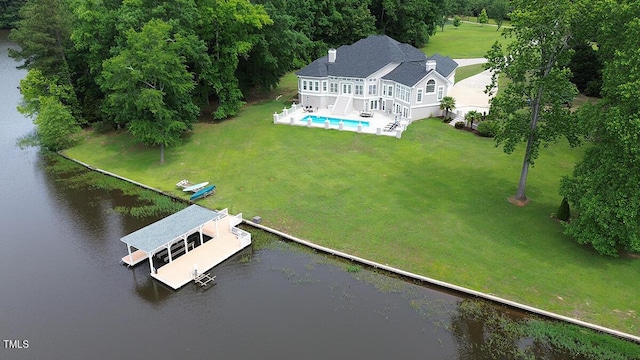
(377, 73)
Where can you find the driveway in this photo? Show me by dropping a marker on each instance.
(469, 93)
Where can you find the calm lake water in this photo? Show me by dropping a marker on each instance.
(63, 290)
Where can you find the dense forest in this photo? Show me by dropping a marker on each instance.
(155, 66)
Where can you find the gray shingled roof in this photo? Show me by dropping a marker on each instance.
(444, 64)
(408, 73)
(169, 229)
(363, 58)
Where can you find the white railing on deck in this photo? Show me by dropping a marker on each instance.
(243, 236)
(235, 220)
(282, 116)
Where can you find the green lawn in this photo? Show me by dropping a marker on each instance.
(464, 72)
(434, 203)
(466, 41)
(492, 23)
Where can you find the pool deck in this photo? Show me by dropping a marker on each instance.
(378, 121)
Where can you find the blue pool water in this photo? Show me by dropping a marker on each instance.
(334, 121)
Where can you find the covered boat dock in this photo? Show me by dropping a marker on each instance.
(181, 256)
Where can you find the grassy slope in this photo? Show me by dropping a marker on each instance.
(433, 202)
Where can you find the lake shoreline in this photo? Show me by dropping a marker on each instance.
(466, 292)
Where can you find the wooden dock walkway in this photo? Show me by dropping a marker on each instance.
(137, 257)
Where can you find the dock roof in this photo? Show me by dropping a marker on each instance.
(169, 229)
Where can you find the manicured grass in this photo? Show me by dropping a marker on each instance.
(466, 41)
(434, 203)
(464, 72)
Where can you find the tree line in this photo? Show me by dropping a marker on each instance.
(153, 67)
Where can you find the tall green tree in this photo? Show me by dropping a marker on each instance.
(340, 22)
(586, 68)
(410, 21)
(94, 37)
(43, 33)
(604, 189)
(9, 12)
(229, 30)
(446, 11)
(46, 100)
(149, 87)
(55, 124)
(498, 11)
(532, 108)
(277, 49)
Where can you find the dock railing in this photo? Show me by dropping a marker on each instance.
(243, 236)
(235, 220)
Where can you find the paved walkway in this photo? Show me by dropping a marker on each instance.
(469, 93)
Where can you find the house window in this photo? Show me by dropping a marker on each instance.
(419, 96)
(431, 86)
(374, 105)
(324, 86)
(304, 84)
(316, 83)
(440, 92)
(373, 89)
(405, 112)
(390, 90)
(358, 89)
(333, 87)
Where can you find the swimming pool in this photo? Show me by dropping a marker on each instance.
(334, 121)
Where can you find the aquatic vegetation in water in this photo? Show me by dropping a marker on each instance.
(353, 268)
(147, 203)
(532, 337)
(260, 239)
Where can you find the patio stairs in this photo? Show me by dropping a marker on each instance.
(342, 105)
(460, 117)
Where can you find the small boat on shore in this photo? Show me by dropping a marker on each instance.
(196, 187)
(202, 193)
